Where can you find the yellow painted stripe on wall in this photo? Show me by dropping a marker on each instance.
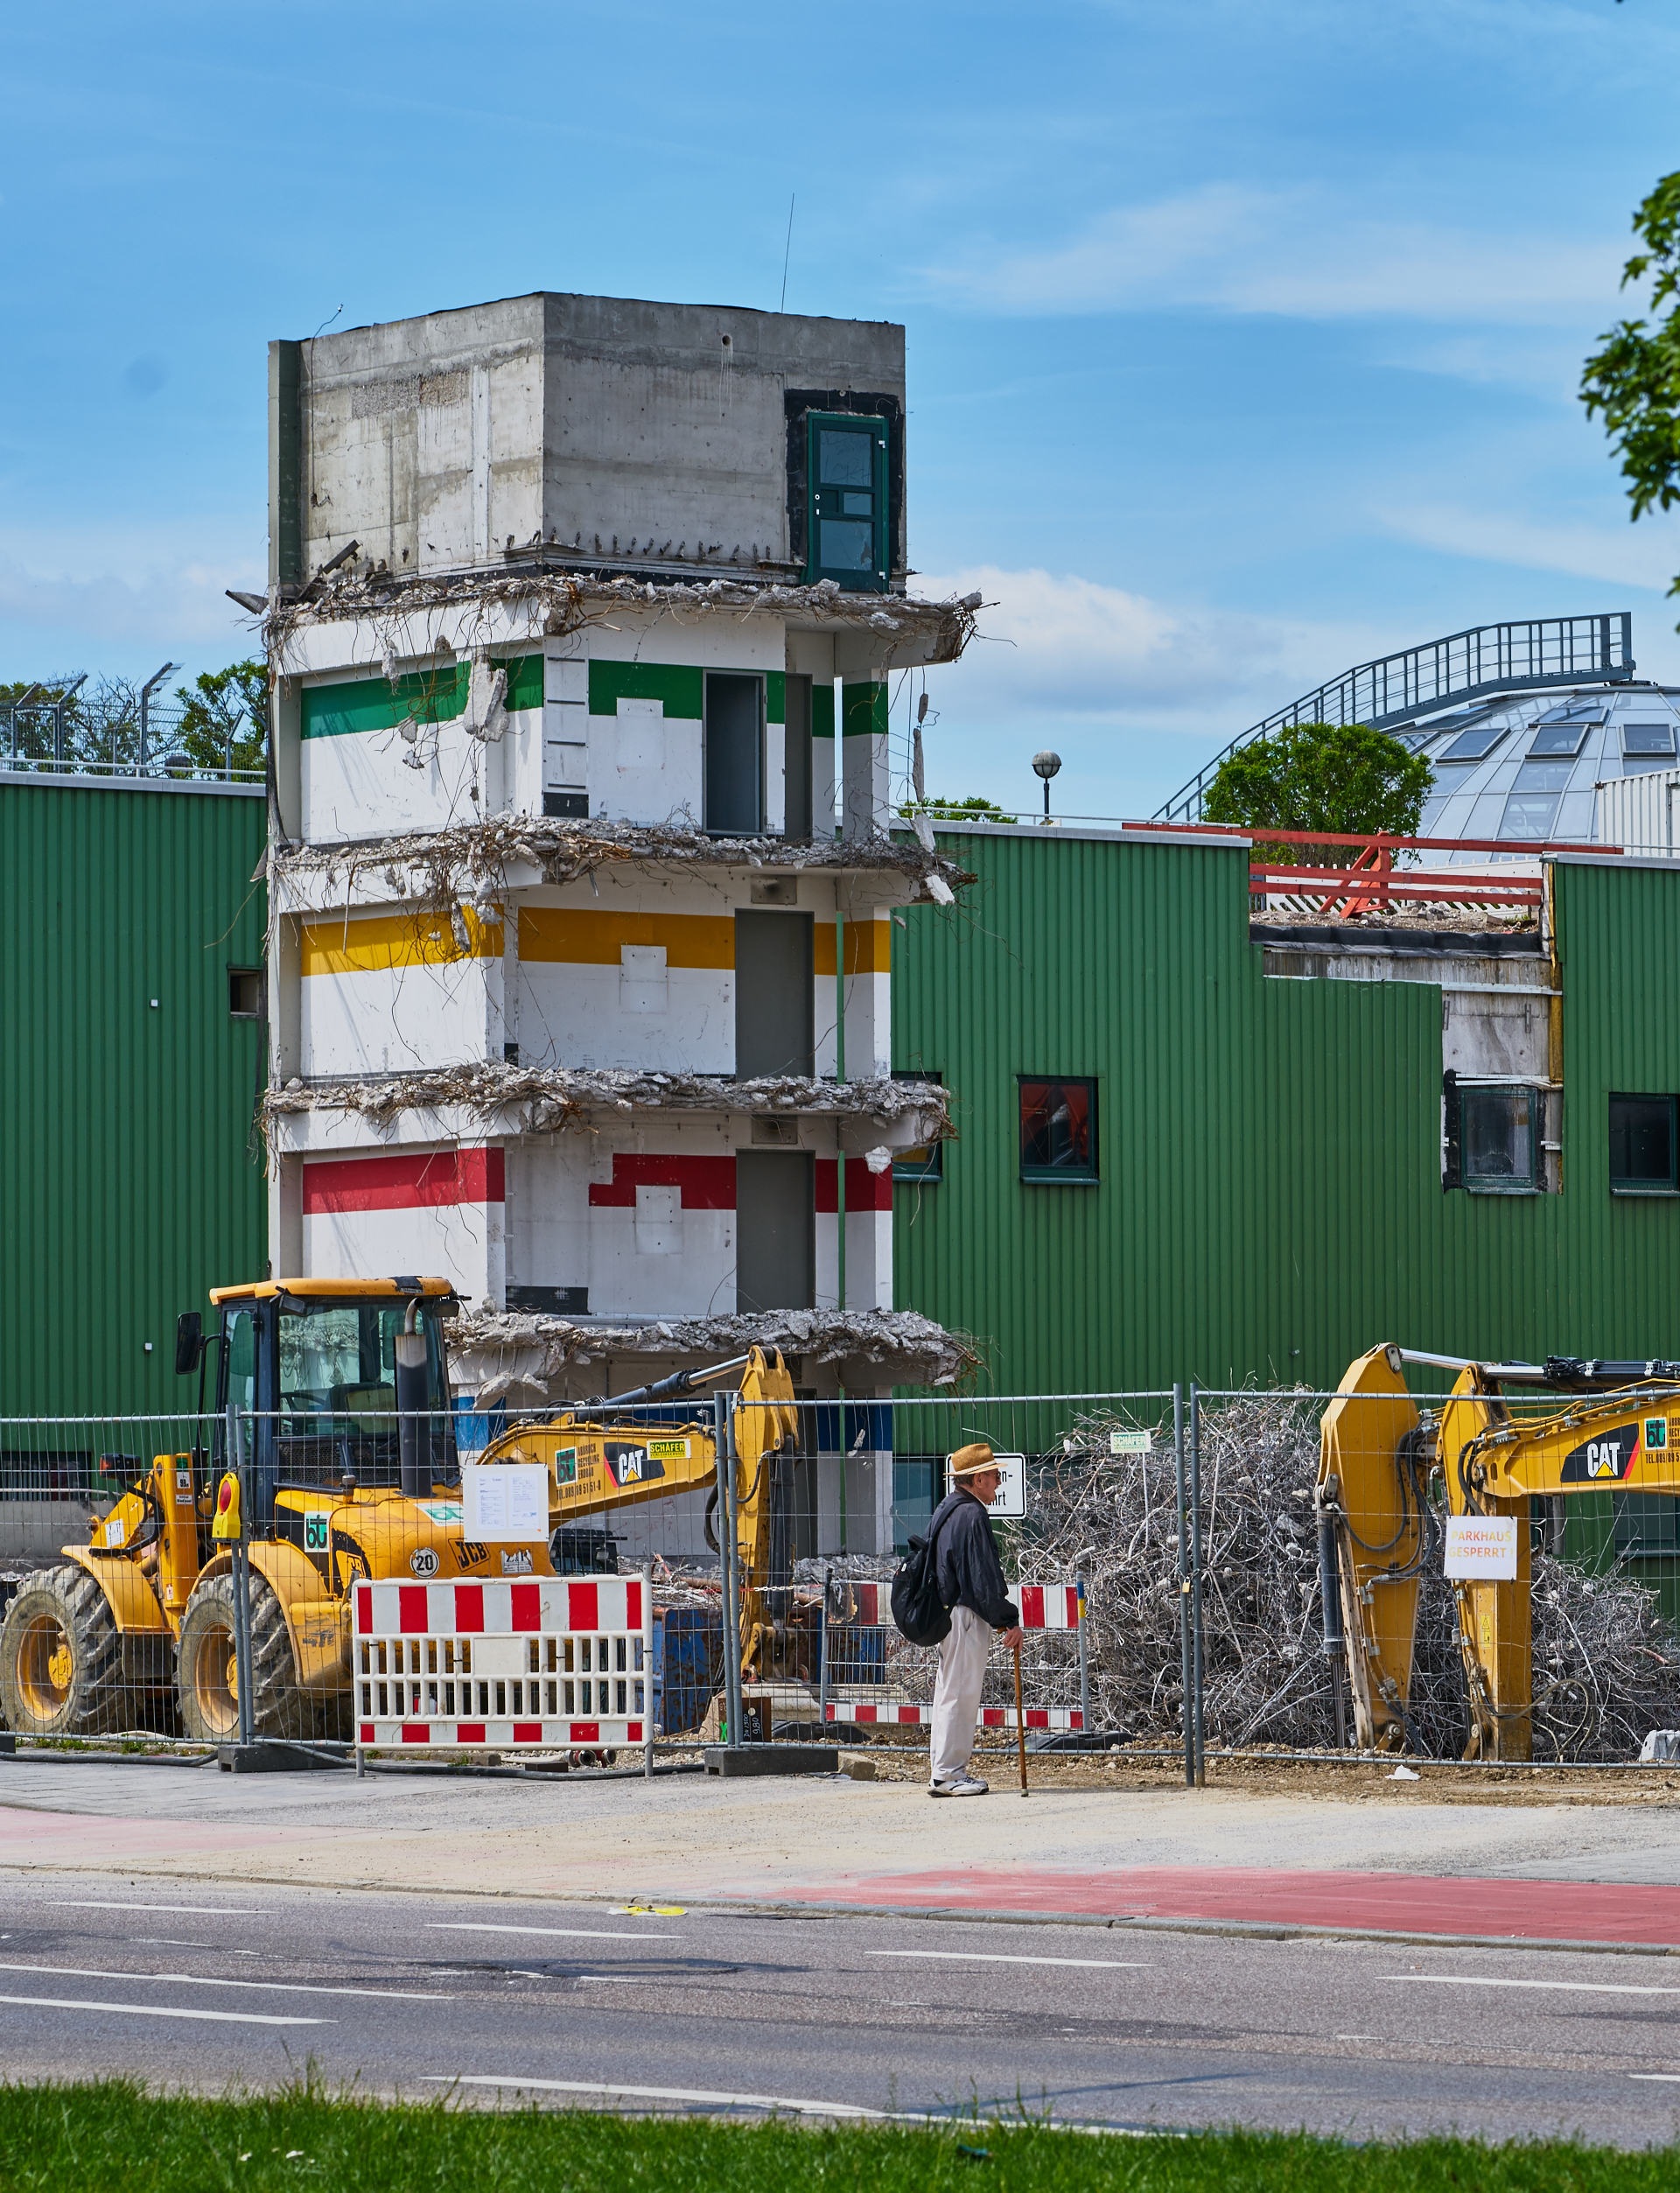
(591, 936)
(372, 943)
(869, 948)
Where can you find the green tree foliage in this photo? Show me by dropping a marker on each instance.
(1633, 379)
(219, 703)
(1320, 776)
(973, 808)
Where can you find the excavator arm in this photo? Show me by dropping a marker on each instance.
(1614, 1427)
(598, 1463)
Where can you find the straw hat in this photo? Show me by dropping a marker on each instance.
(967, 1460)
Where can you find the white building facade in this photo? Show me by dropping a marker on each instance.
(582, 876)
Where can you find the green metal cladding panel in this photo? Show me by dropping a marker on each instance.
(1270, 1204)
(128, 1182)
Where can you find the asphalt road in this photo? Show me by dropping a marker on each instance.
(593, 2005)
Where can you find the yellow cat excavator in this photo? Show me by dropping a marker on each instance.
(600, 1460)
(1577, 1426)
(340, 1388)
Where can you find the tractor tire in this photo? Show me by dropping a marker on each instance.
(206, 1683)
(61, 1658)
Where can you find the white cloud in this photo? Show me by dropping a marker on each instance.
(1645, 555)
(1301, 254)
(99, 599)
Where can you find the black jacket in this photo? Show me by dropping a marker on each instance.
(969, 1573)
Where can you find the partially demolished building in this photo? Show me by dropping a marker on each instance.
(583, 615)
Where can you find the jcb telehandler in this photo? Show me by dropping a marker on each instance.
(598, 1461)
(1613, 1426)
(341, 1392)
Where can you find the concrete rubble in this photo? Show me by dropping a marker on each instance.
(526, 1360)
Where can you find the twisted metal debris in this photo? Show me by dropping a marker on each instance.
(1607, 1664)
(525, 1358)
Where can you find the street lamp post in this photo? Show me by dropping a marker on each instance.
(1046, 765)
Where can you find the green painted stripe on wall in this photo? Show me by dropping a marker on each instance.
(372, 704)
(682, 688)
(524, 682)
(865, 708)
(821, 710)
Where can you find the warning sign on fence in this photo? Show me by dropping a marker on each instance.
(1482, 1546)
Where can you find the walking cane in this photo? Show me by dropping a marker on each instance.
(1020, 1718)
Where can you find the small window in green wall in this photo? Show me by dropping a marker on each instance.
(847, 515)
(1058, 1129)
(1642, 1146)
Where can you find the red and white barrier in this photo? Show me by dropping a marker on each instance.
(1043, 1606)
(555, 1662)
(922, 1716)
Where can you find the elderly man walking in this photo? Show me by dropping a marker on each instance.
(971, 1584)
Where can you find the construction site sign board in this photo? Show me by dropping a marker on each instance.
(1482, 1546)
(1011, 1499)
(1128, 1442)
(505, 1502)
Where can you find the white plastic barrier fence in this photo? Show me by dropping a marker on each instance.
(869, 1607)
(557, 1663)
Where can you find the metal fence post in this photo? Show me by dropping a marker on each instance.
(648, 1669)
(241, 1577)
(1186, 1675)
(822, 1654)
(1196, 1579)
(724, 1441)
(1084, 1669)
(732, 1614)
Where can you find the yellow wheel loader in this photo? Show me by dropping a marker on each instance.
(1507, 1436)
(599, 1462)
(340, 1393)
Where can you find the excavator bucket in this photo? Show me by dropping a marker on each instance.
(1373, 1481)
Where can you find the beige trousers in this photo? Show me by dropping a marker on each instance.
(962, 1655)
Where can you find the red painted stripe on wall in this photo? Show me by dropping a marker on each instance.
(708, 1184)
(424, 1179)
(865, 1191)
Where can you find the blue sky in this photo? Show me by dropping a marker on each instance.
(1242, 338)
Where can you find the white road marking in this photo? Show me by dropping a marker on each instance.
(1667, 2078)
(999, 1957)
(163, 2010)
(200, 1979)
(660, 2094)
(572, 1933)
(613, 1979)
(201, 1910)
(1572, 1986)
(165, 1942)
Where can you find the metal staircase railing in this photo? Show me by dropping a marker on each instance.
(1503, 658)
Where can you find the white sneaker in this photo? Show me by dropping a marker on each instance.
(962, 1785)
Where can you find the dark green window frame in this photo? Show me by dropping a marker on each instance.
(1625, 1125)
(844, 496)
(1056, 1149)
(1481, 1151)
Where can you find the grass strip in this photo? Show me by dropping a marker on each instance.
(118, 2137)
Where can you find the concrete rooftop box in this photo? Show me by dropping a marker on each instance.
(611, 432)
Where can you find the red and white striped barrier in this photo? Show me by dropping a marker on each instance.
(922, 1716)
(555, 1662)
(1043, 1606)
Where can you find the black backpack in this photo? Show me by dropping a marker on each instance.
(921, 1614)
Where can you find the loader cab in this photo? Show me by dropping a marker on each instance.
(321, 1369)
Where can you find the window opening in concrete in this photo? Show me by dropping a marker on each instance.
(775, 1230)
(1058, 1129)
(797, 758)
(734, 736)
(1642, 1146)
(774, 995)
(550, 1302)
(918, 1488)
(848, 490)
(1645, 746)
(922, 1161)
(1500, 1140)
(248, 993)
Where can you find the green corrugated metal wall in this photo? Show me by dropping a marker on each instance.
(1269, 1204)
(127, 1187)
